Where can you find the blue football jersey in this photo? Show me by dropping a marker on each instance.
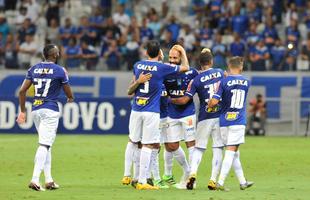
(206, 84)
(176, 86)
(233, 91)
(47, 79)
(163, 103)
(147, 95)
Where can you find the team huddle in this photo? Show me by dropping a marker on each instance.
(163, 112)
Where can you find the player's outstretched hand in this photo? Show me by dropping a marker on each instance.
(21, 118)
(144, 77)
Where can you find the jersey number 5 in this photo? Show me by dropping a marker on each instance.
(237, 99)
(40, 83)
(146, 87)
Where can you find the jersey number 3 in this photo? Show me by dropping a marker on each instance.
(41, 83)
(146, 87)
(237, 99)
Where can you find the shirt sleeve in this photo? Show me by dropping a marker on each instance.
(64, 76)
(169, 69)
(191, 89)
(219, 92)
(29, 75)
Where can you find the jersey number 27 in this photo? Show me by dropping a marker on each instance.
(40, 83)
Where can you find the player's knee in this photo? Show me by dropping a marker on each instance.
(232, 148)
(156, 146)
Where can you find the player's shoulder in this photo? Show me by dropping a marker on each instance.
(192, 71)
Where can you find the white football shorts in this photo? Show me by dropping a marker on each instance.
(163, 126)
(207, 128)
(46, 122)
(144, 127)
(233, 135)
(181, 129)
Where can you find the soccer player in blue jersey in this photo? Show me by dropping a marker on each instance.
(205, 85)
(48, 79)
(232, 93)
(145, 115)
(181, 122)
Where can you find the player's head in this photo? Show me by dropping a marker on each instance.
(235, 64)
(51, 52)
(206, 59)
(174, 56)
(153, 48)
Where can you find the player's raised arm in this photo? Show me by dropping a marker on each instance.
(184, 61)
(22, 100)
(135, 83)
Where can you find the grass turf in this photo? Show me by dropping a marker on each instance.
(91, 167)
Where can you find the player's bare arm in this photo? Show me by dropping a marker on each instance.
(184, 61)
(135, 83)
(213, 102)
(180, 100)
(22, 100)
(68, 92)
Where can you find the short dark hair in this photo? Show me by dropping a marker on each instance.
(236, 62)
(205, 58)
(49, 50)
(152, 48)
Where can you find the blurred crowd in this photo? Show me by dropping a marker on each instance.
(110, 34)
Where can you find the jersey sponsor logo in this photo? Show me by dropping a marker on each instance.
(147, 67)
(231, 116)
(43, 71)
(210, 76)
(164, 93)
(142, 101)
(38, 102)
(237, 82)
(177, 92)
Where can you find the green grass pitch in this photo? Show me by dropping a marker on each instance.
(91, 167)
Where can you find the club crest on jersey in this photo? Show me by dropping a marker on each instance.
(237, 82)
(43, 71)
(142, 101)
(231, 116)
(176, 92)
(210, 76)
(147, 67)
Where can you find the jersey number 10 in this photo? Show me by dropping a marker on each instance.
(40, 83)
(237, 99)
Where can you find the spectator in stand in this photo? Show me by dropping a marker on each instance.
(174, 27)
(205, 35)
(292, 33)
(21, 16)
(113, 56)
(27, 29)
(52, 12)
(2, 49)
(258, 56)
(52, 32)
(270, 33)
(189, 38)
(238, 47)
(155, 25)
(145, 32)
(291, 14)
(121, 19)
(72, 54)
(26, 51)
(33, 9)
(277, 54)
(306, 16)
(290, 60)
(106, 6)
(96, 21)
(219, 51)
(114, 29)
(223, 22)
(66, 32)
(4, 27)
(239, 22)
(252, 36)
(166, 43)
(254, 11)
(10, 52)
(132, 49)
(89, 56)
(86, 32)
